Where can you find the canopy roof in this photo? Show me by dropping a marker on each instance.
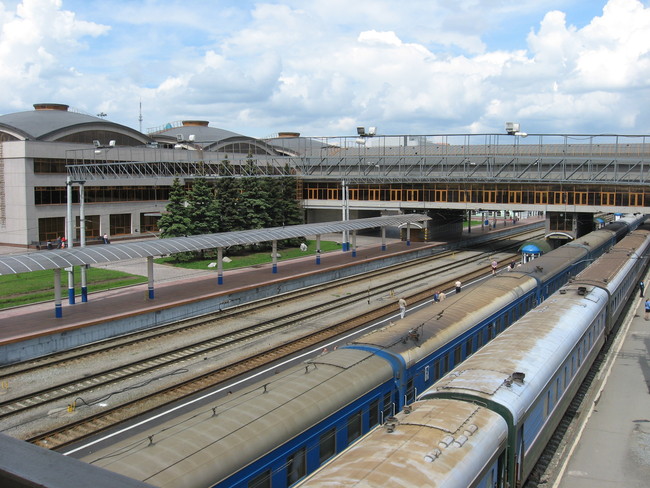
(104, 253)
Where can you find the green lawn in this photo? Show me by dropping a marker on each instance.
(38, 286)
(253, 259)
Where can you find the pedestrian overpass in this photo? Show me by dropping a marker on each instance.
(569, 177)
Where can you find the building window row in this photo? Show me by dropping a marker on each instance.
(53, 195)
(488, 194)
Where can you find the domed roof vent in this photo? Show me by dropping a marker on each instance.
(51, 106)
(194, 123)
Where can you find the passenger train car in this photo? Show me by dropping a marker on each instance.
(486, 422)
(275, 432)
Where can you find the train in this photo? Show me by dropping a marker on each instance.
(486, 423)
(282, 428)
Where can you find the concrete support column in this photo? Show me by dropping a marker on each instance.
(408, 233)
(58, 310)
(150, 276)
(383, 238)
(354, 243)
(68, 240)
(82, 242)
(318, 249)
(469, 221)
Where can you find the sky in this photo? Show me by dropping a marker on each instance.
(325, 67)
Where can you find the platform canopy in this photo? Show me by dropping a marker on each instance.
(105, 253)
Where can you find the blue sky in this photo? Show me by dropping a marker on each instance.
(323, 67)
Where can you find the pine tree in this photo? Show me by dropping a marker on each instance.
(175, 222)
(203, 208)
(254, 205)
(228, 199)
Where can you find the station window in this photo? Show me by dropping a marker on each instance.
(354, 427)
(296, 466)
(262, 480)
(440, 196)
(327, 445)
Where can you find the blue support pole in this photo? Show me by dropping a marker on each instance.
(150, 276)
(58, 309)
(275, 256)
(220, 265)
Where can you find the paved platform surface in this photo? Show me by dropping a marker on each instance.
(613, 448)
(176, 285)
(172, 286)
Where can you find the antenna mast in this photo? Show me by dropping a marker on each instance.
(140, 117)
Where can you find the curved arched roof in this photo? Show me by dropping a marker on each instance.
(51, 124)
(104, 253)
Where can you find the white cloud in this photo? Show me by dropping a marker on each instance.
(324, 66)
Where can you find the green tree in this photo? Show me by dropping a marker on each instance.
(203, 208)
(228, 198)
(254, 204)
(175, 222)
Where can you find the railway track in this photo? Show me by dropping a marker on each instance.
(73, 414)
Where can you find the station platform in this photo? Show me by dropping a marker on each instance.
(612, 448)
(21, 323)
(31, 331)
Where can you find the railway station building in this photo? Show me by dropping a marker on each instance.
(37, 145)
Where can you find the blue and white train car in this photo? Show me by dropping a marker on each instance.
(527, 376)
(276, 432)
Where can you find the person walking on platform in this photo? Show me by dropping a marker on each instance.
(641, 288)
(494, 267)
(647, 309)
(436, 296)
(402, 307)
(442, 296)
(458, 287)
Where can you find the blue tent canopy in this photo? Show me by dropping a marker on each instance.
(531, 249)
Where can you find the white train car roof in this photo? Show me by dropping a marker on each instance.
(439, 443)
(208, 444)
(536, 346)
(439, 323)
(611, 266)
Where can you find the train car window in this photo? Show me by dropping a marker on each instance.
(354, 426)
(566, 376)
(479, 340)
(573, 365)
(457, 355)
(468, 346)
(445, 364)
(426, 373)
(491, 331)
(262, 480)
(373, 414)
(327, 445)
(296, 466)
(410, 392)
(579, 356)
(557, 388)
(388, 406)
(436, 370)
(547, 404)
